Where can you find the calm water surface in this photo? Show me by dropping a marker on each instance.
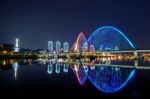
(50, 78)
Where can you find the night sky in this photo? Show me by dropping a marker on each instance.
(37, 21)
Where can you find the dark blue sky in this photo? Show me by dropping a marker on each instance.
(37, 21)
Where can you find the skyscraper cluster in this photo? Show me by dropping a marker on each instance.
(56, 46)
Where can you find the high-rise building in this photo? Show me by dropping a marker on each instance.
(85, 46)
(116, 48)
(92, 48)
(66, 47)
(58, 46)
(50, 46)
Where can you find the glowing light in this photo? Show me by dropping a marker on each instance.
(77, 46)
(86, 69)
(108, 37)
(50, 68)
(81, 73)
(16, 49)
(57, 68)
(17, 42)
(4, 63)
(108, 80)
(15, 66)
(11, 61)
(66, 67)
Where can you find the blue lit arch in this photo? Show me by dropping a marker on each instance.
(97, 81)
(108, 35)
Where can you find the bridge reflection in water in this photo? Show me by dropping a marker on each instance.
(105, 44)
(108, 79)
(57, 67)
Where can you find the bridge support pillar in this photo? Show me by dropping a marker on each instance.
(136, 63)
(136, 55)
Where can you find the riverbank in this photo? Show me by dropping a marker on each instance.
(18, 56)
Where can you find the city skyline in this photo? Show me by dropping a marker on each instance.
(81, 48)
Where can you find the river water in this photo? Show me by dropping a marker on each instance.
(49, 78)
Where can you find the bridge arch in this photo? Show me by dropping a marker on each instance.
(78, 45)
(110, 79)
(81, 73)
(110, 38)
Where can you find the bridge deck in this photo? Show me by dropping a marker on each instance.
(112, 65)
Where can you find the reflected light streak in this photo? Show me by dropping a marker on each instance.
(50, 68)
(15, 66)
(57, 68)
(66, 67)
(111, 89)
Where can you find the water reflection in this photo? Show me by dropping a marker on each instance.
(15, 66)
(110, 79)
(57, 67)
(66, 68)
(6, 64)
(50, 68)
(81, 72)
(107, 78)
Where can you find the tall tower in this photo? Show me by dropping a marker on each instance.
(16, 49)
(85, 46)
(92, 48)
(50, 46)
(66, 47)
(58, 46)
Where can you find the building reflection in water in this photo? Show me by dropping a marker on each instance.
(66, 68)
(57, 67)
(42, 61)
(81, 73)
(6, 64)
(110, 79)
(15, 66)
(107, 79)
(9, 64)
(50, 68)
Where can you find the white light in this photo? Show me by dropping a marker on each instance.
(50, 69)
(15, 66)
(65, 68)
(17, 42)
(57, 68)
(16, 49)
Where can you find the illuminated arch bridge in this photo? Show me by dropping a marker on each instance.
(80, 43)
(105, 38)
(104, 78)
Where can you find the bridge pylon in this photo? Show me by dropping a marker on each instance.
(136, 55)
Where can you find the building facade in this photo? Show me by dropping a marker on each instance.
(58, 46)
(66, 47)
(85, 46)
(50, 46)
